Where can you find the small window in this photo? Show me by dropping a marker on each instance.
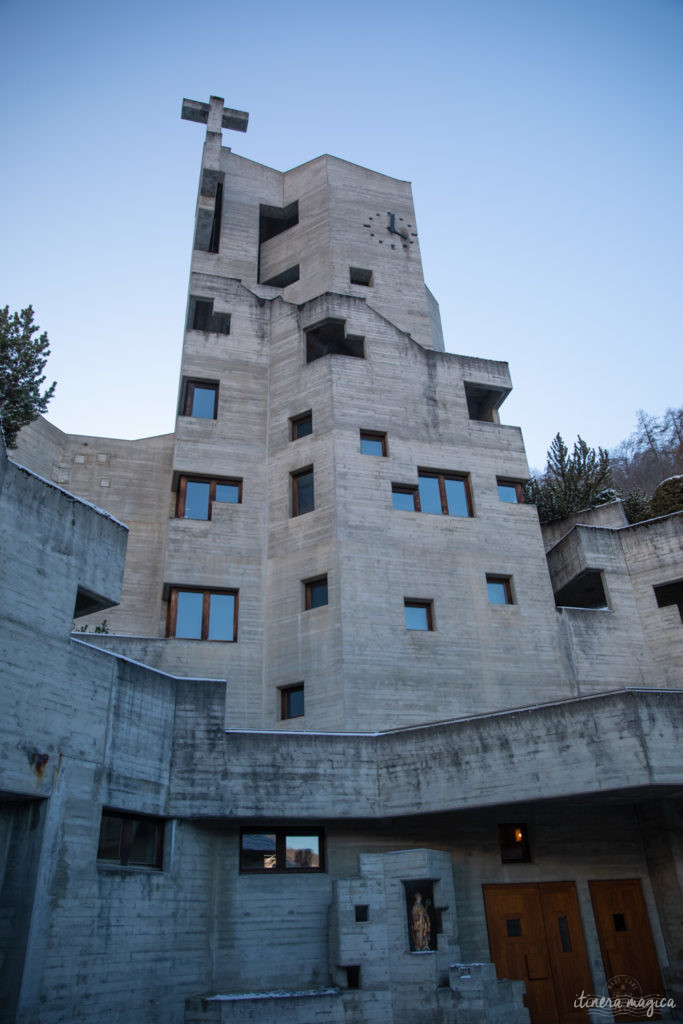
(284, 278)
(131, 840)
(196, 495)
(499, 589)
(301, 426)
(357, 275)
(201, 317)
(200, 399)
(302, 492)
(514, 843)
(278, 848)
(329, 338)
(418, 614)
(362, 912)
(373, 443)
(670, 593)
(443, 494)
(513, 926)
(292, 701)
(315, 593)
(352, 976)
(405, 498)
(202, 614)
(510, 491)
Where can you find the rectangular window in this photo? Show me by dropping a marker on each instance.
(499, 589)
(201, 317)
(510, 491)
(301, 425)
(443, 494)
(405, 498)
(292, 701)
(373, 443)
(196, 495)
(278, 848)
(315, 593)
(131, 840)
(514, 844)
(302, 492)
(329, 338)
(200, 399)
(418, 614)
(203, 614)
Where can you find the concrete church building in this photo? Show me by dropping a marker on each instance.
(362, 745)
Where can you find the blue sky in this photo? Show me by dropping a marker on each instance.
(543, 139)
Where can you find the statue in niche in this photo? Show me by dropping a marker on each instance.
(420, 923)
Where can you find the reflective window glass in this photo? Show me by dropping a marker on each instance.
(143, 841)
(302, 851)
(197, 500)
(229, 493)
(403, 500)
(508, 492)
(258, 851)
(456, 497)
(498, 591)
(204, 402)
(430, 496)
(417, 616)
(221, 616)
(189, 616)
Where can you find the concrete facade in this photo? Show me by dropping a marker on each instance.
(540, 692)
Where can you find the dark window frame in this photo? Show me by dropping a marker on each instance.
(418, 602)
(512, 850)
(294, 487)
(281, 832)
(507, 584)
(172, 615)
(212, 481)
(506, 482)
(308, 592)
(296, 421)
(285, 694)
(410, 489)
(127, 819)
(189, 385)
(374, 435)
(434, 474)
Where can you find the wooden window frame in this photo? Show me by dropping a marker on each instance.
(417, 602)
(189, 386)
(285, 691)
(127, 819)
(407, 489)
(294, 422)
(505, 482)
(172, 616)
(308, 587)
(442, 477)
(294, 478)
(212, 481)
(281, 832)
(374, 435)
(507, 584)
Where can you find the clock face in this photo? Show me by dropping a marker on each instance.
(391, 230)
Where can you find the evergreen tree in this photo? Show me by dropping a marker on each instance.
(571, 482)
(22, 360)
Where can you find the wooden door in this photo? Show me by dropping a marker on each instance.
(626, 944)
(536, 936)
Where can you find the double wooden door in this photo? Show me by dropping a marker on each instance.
(536, 936)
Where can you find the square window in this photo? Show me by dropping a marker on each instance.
(301, 426)
(201, 316)
(405, 499)
(196, 496)
(359, 275)
(202, 614)
(514, 843)
(315, 593)
(373, 443)
(444, 494)
(292, 701)
(418, 614)
(130, 840)
(200, 399)
(510, 491)
(499, 589)
(302, 492)
(279, 848)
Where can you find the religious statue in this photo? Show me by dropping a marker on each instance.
(420, 924)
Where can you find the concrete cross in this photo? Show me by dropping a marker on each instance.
(215, 115)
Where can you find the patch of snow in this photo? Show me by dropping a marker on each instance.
(276, 993)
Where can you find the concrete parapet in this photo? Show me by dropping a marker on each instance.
(479, 997)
